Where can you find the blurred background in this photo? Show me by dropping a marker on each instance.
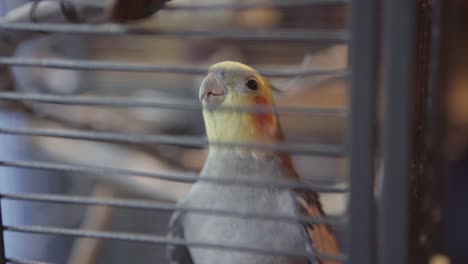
(327, 91)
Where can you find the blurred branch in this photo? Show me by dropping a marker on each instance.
(85, 250)
(110, 154)
(151, 150)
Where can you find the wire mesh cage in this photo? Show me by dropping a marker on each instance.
(102, 130)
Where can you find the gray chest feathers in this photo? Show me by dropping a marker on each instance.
(254, 233)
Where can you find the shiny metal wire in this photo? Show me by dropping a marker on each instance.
(140, 67)
(328, 36)
(117, 30)
(159, 240)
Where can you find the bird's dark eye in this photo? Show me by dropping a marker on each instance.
(252, 84)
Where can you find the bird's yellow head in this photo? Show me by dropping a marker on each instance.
(233, 84)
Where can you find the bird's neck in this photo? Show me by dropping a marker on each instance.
(241, 127)
(237, 164)
(245, 128)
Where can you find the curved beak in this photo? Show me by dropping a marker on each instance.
(212, 91)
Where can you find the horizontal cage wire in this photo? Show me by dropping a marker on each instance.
(163, 240)
(178, 104)
(24, 261)
(139, 67)
(152, 205)
(172, 176)
(257, 35)
(296, 148)
(245, 5)
(304, 149)
(249, 5)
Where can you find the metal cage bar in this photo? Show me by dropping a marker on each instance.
(2, 236)
(25, 261)
(174, 104)
(164, 206)
(172, 176)
(252, 5)
(437, 174)
(327, 36)
(393, 220)
(117, 30)
(93, 65)
(244, 5)
(426, 158)
(362, 124)
(185, 141)
(159, 240)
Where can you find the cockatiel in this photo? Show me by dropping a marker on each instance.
(232, 84)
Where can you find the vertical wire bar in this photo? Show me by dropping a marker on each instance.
(363, 83)
(437, 173)
(422, 203)
(3, 12)
(2, 241)
(394, 217)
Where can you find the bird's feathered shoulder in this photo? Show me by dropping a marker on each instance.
(177, 254)
(321, 236)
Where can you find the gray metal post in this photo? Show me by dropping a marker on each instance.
(363, 63)
(394, 217)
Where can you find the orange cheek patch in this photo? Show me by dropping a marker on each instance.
(263, 121)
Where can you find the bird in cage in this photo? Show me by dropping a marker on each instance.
(233, 85)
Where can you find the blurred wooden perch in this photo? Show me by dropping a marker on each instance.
(85, 250)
